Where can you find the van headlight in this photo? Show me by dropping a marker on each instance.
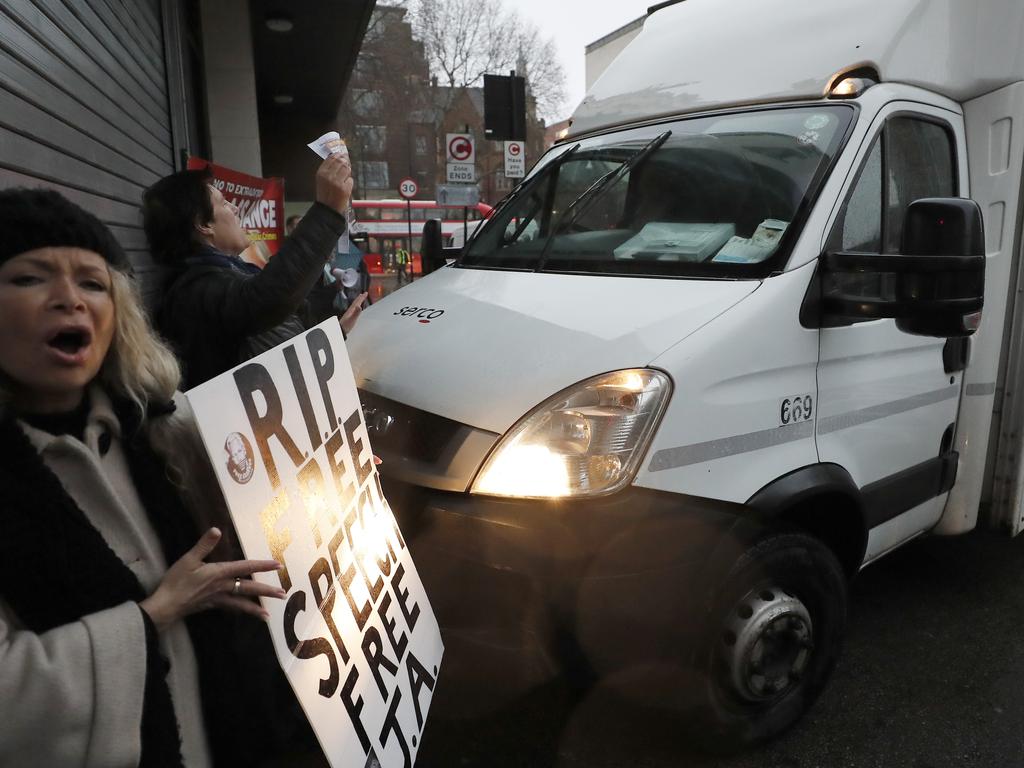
(585, 441)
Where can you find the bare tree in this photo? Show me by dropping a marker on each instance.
(463, 43)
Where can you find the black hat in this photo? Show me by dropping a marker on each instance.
(44, 218)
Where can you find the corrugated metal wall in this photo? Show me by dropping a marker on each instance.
(84, 108)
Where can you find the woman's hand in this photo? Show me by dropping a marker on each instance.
(192, 585)
(348, 320)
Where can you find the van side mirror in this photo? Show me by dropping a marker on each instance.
(433, 252)
(934, 287)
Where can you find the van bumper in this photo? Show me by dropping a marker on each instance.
(525, 590)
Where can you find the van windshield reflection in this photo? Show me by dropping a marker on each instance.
(719, 196)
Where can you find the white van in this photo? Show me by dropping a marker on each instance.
(715, 354)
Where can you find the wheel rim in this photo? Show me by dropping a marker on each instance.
(766, 643)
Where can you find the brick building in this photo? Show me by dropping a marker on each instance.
(395, 118)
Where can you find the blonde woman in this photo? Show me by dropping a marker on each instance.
(100, 563)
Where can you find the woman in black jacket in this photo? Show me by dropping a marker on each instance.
(121, 642)
(216, 310)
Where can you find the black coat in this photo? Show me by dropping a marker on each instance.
(216, 313)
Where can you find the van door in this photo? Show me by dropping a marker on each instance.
(887, 400)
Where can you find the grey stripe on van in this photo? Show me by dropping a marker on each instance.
(882, 410)
(981, 390)
(671, 458)
(686, 455)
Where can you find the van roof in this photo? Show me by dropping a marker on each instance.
(704, 54)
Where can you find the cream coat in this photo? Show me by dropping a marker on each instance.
(73, 696)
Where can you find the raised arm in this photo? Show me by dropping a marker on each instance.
(259, 303)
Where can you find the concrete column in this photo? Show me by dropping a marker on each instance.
(231, 85)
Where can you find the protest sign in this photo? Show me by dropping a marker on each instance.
(260, 204)
(355, 634)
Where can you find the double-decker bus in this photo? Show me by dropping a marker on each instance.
(382, 228)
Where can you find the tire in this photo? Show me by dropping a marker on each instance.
(769, 643)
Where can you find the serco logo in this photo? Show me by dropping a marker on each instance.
(422, 314)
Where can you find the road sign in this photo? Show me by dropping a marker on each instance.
(408, 188)
(460, 148)
(459, 196)
(515, 159)
(461, 172)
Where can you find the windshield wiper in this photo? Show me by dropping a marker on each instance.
(591, 194)
(526, 186)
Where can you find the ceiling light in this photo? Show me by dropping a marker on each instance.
(279, 23)
(284, 98)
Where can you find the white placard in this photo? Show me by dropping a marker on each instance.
(355, 634)
(515, 159)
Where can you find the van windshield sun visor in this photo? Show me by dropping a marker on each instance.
(719, 196)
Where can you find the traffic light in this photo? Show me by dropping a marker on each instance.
(504, 108)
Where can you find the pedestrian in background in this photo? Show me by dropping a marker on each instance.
(402, 263)
(216, 310)
(115, 645)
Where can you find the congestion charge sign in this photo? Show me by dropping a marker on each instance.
(355, 633)
(460, 148)
(515, 159)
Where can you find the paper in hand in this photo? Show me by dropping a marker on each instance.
(329, 144)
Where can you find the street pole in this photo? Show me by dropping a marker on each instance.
(408, 217)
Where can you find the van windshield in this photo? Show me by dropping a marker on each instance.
(720, 196)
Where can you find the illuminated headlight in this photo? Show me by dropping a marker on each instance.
(585, 441)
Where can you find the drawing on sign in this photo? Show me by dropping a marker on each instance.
(240, 458)
(355, 633)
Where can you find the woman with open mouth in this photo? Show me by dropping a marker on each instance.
(117, 632)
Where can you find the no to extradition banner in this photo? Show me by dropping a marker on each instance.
(260, 205)
(355, 633)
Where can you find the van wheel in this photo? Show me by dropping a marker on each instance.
(771, 641)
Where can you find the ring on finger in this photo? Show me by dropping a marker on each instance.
(237, 588)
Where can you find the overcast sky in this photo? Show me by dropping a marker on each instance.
(573, 24)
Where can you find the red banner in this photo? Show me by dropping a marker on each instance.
(260, 205)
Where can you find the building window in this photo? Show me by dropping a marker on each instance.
(367, 103)
(372, 138)
(372, 174)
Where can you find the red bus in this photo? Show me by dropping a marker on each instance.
(384, 226)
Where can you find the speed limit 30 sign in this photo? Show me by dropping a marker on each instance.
(408, 188)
